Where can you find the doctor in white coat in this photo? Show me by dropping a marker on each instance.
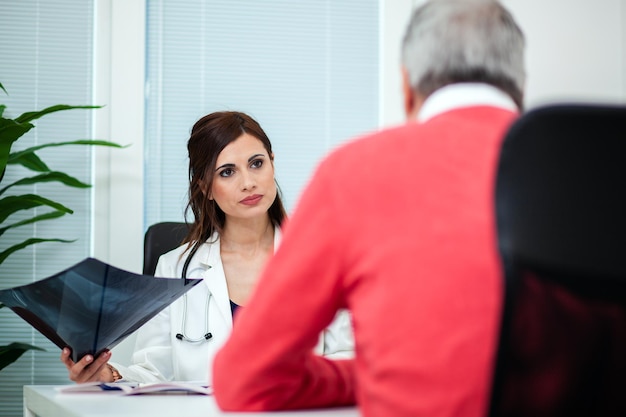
(185, 352)
(238, 214)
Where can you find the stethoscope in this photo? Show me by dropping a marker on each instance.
(182, 334)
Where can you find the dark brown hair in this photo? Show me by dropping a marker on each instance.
(209, 136)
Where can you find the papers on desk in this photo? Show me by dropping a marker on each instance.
(131, 388)
(92, 306)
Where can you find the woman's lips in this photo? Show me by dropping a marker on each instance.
(252, 200)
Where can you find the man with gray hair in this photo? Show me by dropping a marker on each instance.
(398, 227)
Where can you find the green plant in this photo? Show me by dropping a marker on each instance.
(10, 131)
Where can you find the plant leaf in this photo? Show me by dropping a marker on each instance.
(33, 115)
(12, 352)
(46, 216)
(14, 203)
(5, 254)
(3, 89)
(49, 177)
(97, 142)
(10, 131)
(2, 106)
(28, 159)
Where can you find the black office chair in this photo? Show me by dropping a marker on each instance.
(561, 219)
(159, 239)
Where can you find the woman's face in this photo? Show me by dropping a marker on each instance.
(243, 182)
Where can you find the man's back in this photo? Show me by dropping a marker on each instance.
(424, 279)
(409, 229)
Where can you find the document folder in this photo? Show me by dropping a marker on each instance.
(92, 306)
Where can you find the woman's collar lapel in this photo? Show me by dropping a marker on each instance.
(214, 277)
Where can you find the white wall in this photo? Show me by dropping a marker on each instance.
(394, 19)
(575, 52)
(575, 49)
(118, 212)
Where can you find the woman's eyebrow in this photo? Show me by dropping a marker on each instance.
(225, 166)
(256, 156)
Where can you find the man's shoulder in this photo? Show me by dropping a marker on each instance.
(488, 116)
(410, 135)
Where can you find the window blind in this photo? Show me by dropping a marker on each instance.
(47, 58)
(306, 70)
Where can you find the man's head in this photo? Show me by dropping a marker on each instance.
(452, 41)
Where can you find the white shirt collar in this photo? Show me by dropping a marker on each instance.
(459, 95)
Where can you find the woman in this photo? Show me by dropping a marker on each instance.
(238, 213)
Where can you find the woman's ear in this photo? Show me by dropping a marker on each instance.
(205, 189)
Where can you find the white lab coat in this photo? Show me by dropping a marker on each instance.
(160, 356)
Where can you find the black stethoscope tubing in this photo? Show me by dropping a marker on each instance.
(182, 334)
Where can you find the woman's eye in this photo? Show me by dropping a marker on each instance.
(257, 163)
(226, 172)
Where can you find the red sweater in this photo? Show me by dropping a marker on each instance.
(398, 227)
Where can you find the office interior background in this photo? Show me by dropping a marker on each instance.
(314, 73)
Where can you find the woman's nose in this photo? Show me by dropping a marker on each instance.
(247, 181)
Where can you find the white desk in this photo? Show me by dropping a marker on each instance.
(46, 401)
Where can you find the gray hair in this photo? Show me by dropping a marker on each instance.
(452, 41)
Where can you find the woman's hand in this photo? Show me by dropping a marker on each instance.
(87, 369)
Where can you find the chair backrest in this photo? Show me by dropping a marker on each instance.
(159, 239)
(561, 220)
